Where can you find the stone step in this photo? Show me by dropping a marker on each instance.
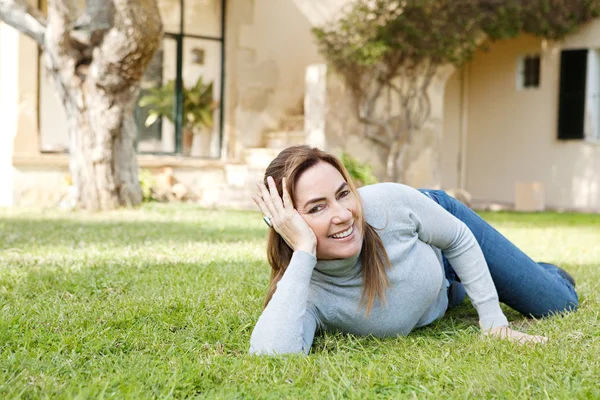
(282, 139)
(242, 175)
(238, 198)
(260, 157)
(292, 123)
(227, 196)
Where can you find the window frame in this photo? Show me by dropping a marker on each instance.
(591, 121)
(572, 73)
(523, 62)
(179, 38)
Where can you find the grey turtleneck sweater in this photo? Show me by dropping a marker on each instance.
(326, 294)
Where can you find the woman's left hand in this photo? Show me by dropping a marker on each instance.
(284, 218)
(505, 332)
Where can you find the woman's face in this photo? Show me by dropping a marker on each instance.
(325, 202)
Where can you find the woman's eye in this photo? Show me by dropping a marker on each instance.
(315, 209)
(344, 193)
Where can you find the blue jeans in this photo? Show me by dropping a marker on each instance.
(533, 289)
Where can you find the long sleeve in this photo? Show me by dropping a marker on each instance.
(286, 326)
(439, 228)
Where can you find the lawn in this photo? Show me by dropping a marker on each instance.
(160, 303)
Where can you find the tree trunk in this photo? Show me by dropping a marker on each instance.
(97, 64)
(99, 84)
(102, 159)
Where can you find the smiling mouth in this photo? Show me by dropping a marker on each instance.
(344, 234)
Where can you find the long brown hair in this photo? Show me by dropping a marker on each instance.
(291, 163)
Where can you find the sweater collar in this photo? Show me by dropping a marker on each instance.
(346, 267)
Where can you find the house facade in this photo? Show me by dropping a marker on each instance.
(523, 120)
(497, 134)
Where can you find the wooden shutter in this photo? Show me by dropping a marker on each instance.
(571, 106)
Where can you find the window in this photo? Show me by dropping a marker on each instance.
(579, 102)
(571, 103)
(191, 57)
(160, 136)
(528, 72)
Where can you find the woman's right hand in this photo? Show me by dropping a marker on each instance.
(284, 218)
(505, 332)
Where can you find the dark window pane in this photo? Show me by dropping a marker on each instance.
(571, 108)
(531, 72)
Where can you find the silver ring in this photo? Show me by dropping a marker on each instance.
(267, 220)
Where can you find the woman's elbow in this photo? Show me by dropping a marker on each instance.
(273, 349)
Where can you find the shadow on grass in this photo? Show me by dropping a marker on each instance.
(20, 233)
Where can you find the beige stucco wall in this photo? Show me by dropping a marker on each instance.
(511, 135)
(269, 46)
(425, 154)
(53, 118)
(9, 47)
(425, 158)
(450, 151)
(27, 139)
(18, 108)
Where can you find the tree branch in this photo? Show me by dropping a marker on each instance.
(376, 140)
(59, 24)
(379, 123)
(132, 41)
(24, 18)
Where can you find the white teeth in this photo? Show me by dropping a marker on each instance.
(347, 232)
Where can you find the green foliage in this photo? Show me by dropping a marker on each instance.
(161, 302)
(361, 173)
(550, 19)
(376, 33)
(383, 32)
(147, 182)
(198, 104)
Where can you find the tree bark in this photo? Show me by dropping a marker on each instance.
(102, 150)
(101, 96)
(97, 77)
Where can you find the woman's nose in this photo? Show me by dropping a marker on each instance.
(341, 214)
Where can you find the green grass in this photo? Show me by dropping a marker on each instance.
(160, 303)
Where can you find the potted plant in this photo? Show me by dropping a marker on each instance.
(198, 108)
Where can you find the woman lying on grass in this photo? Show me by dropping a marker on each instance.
(385, 259)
